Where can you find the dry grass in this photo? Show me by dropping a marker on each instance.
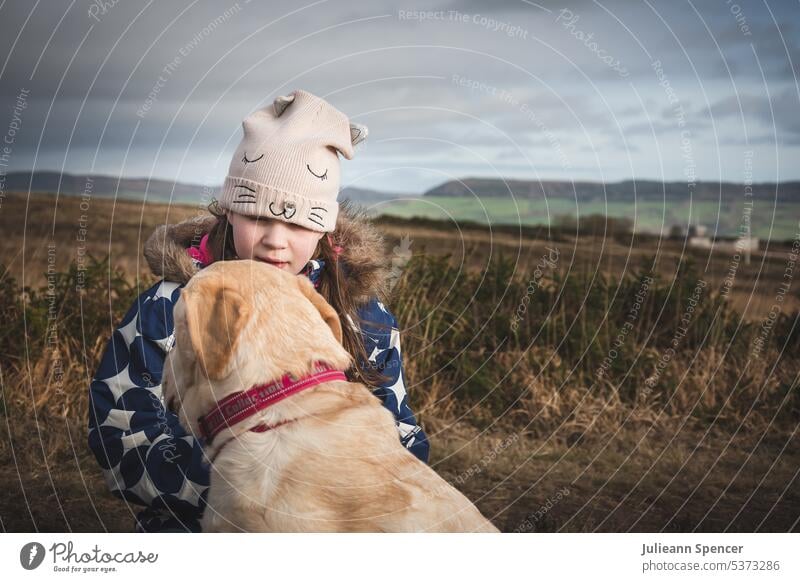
(520, 421)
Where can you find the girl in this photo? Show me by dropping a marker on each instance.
(278, 205)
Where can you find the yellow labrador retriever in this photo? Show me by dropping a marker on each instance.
(294, 446)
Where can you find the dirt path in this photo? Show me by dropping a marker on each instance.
(634, 482)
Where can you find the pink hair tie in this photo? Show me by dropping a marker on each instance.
(337, 250)
(201, 254)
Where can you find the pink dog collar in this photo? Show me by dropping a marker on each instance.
(238, 406)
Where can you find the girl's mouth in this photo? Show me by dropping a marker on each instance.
(279, 264)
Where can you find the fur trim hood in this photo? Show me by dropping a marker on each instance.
(363, 256)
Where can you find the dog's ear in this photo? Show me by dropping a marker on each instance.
(327, 312)
(215, 317)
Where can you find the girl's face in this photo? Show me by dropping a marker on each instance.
(282, 244)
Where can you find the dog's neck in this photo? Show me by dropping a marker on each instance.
(235, 433)
(234, 414)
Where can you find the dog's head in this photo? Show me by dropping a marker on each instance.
(239, 323)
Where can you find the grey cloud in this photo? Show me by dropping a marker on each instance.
(381, 73)
(781, 109)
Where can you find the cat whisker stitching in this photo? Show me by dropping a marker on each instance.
(319, 208)
(245, 187)
(243, 195)
(245, 201)
(316, 222)
(316, 215)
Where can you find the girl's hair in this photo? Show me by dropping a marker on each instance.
(221, 246)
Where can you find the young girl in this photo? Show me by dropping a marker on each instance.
(278, 205)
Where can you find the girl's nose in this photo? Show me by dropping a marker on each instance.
(275, 234)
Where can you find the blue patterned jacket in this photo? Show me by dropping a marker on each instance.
(146, 456)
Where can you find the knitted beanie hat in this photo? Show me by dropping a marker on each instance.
(287, 165)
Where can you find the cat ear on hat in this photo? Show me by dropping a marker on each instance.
(358, 133)
(345, 146)
(253, 123)
(281, 103)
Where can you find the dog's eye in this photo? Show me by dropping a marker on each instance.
(320, 176)
(246, 161)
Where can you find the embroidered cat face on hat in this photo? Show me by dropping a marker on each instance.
(287, 165)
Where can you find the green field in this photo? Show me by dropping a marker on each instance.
(768, 220)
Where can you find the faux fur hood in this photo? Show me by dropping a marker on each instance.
(363, 257)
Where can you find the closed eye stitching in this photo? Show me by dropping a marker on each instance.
(321, 177)
(246, 161)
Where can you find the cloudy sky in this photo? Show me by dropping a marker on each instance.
(674, 90)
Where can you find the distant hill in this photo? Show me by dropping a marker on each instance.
(624, 191)
(157, 190)
(368, 197)
(654, 206)
(105, 186)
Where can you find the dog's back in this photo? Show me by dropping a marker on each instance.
(339, 468)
